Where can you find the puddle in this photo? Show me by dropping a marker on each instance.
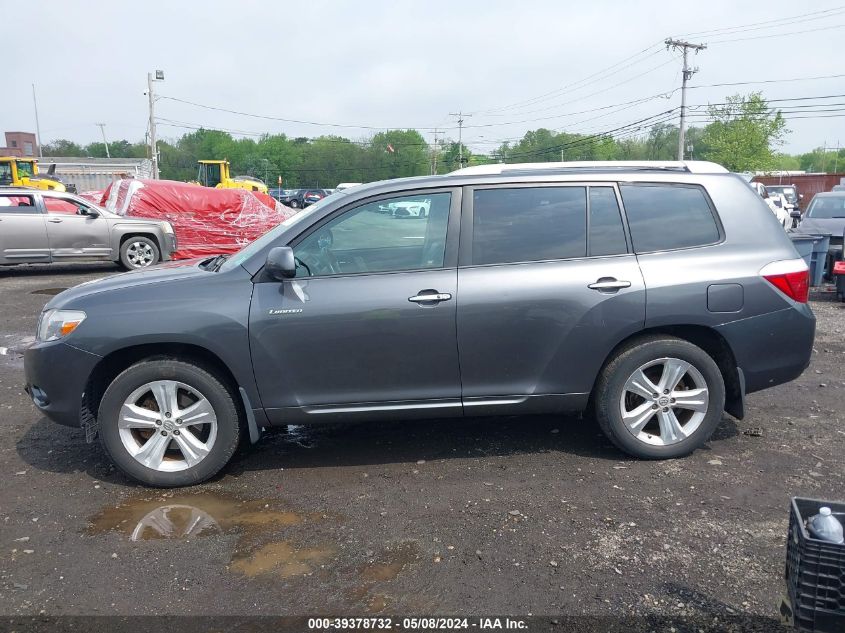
(281, 559)
(47, 291)
(202, 515)
(192, 516)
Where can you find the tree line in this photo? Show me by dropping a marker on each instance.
(743, 134)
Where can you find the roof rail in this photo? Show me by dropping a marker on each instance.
(688, 166)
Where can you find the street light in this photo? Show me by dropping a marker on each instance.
(159, 76)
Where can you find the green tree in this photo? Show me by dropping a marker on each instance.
(744, 133)
(62, 147)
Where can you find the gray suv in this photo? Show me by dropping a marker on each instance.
(51, 226)
(655, 296)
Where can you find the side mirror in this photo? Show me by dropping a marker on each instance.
(92, 213)
(796, 214)
(800, 196)
(281, 264)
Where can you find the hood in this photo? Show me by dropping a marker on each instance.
(169, 271)
(833, 226)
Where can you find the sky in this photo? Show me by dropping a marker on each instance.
(369, 65)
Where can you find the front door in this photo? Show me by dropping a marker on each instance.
(548, 287)
(23, 232)
(367, 327)
(73, 233)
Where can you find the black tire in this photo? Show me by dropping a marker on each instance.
(611, 385)
(135, 242)
(221, 398)
(294, 204)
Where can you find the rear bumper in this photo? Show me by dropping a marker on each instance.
(773, 348)
(56, 375)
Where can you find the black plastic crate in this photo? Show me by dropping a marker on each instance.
(815, 571)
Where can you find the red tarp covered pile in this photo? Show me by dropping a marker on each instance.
(206, 221)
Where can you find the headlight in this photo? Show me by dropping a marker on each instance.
(167, 228)
(56, 324)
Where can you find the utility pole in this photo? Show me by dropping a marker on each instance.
(434, 157)
(159, 76)
(37, 126)
(687, 73)
(460, 116)
(102, 127)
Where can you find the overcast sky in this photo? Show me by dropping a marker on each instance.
(406, 64)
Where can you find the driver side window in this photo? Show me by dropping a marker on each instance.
(395, 234)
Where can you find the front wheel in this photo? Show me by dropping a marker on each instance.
(139, 252)
(168, 423)
(660, 397)
(294, 204)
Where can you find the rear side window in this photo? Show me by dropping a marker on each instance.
(666, 217)
(18, 204)
(607, 237)
(529, 224)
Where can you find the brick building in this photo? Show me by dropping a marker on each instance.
(20, 144)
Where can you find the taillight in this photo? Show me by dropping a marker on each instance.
(790, 276)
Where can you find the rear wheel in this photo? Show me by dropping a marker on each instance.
(659, 398)
(168, 423)
(294, 204)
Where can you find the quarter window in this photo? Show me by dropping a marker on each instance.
(607, 236)
(666, 217)
(402, 233)
(528, 224)
(18, 204)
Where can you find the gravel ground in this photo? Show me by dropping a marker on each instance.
(516, 515)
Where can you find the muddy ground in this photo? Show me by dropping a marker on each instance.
(519, 515)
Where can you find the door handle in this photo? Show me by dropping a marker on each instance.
(609, 284)
(55, 220)
(432, 297)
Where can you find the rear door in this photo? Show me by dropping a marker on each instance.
(73, 233)
(23, 231)
(548, 286)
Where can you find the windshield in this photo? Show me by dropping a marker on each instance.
(788, 192)
(827, 208)
(270, 236)
(25, 169)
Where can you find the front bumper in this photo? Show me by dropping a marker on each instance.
(56, 375)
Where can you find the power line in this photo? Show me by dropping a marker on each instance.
(766, 81)
(794, 19)
(298, 121)
(771, 35)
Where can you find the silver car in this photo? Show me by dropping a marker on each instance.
(49, 226)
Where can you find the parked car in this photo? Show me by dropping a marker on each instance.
(838, 188)
(52, 226)
(655, 296)
(407, 208)
(776, 202)
(310, 196)
(826, 215)
(299, 198)
(790, 195)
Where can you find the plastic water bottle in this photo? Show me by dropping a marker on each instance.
(824, 526)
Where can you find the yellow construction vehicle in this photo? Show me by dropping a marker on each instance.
(215, 173)
(16, 171)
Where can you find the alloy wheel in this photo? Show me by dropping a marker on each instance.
(664, 401)
(167, 425)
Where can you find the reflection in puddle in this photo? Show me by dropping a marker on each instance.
(47, 291)
(190, 516)
(282, 559)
